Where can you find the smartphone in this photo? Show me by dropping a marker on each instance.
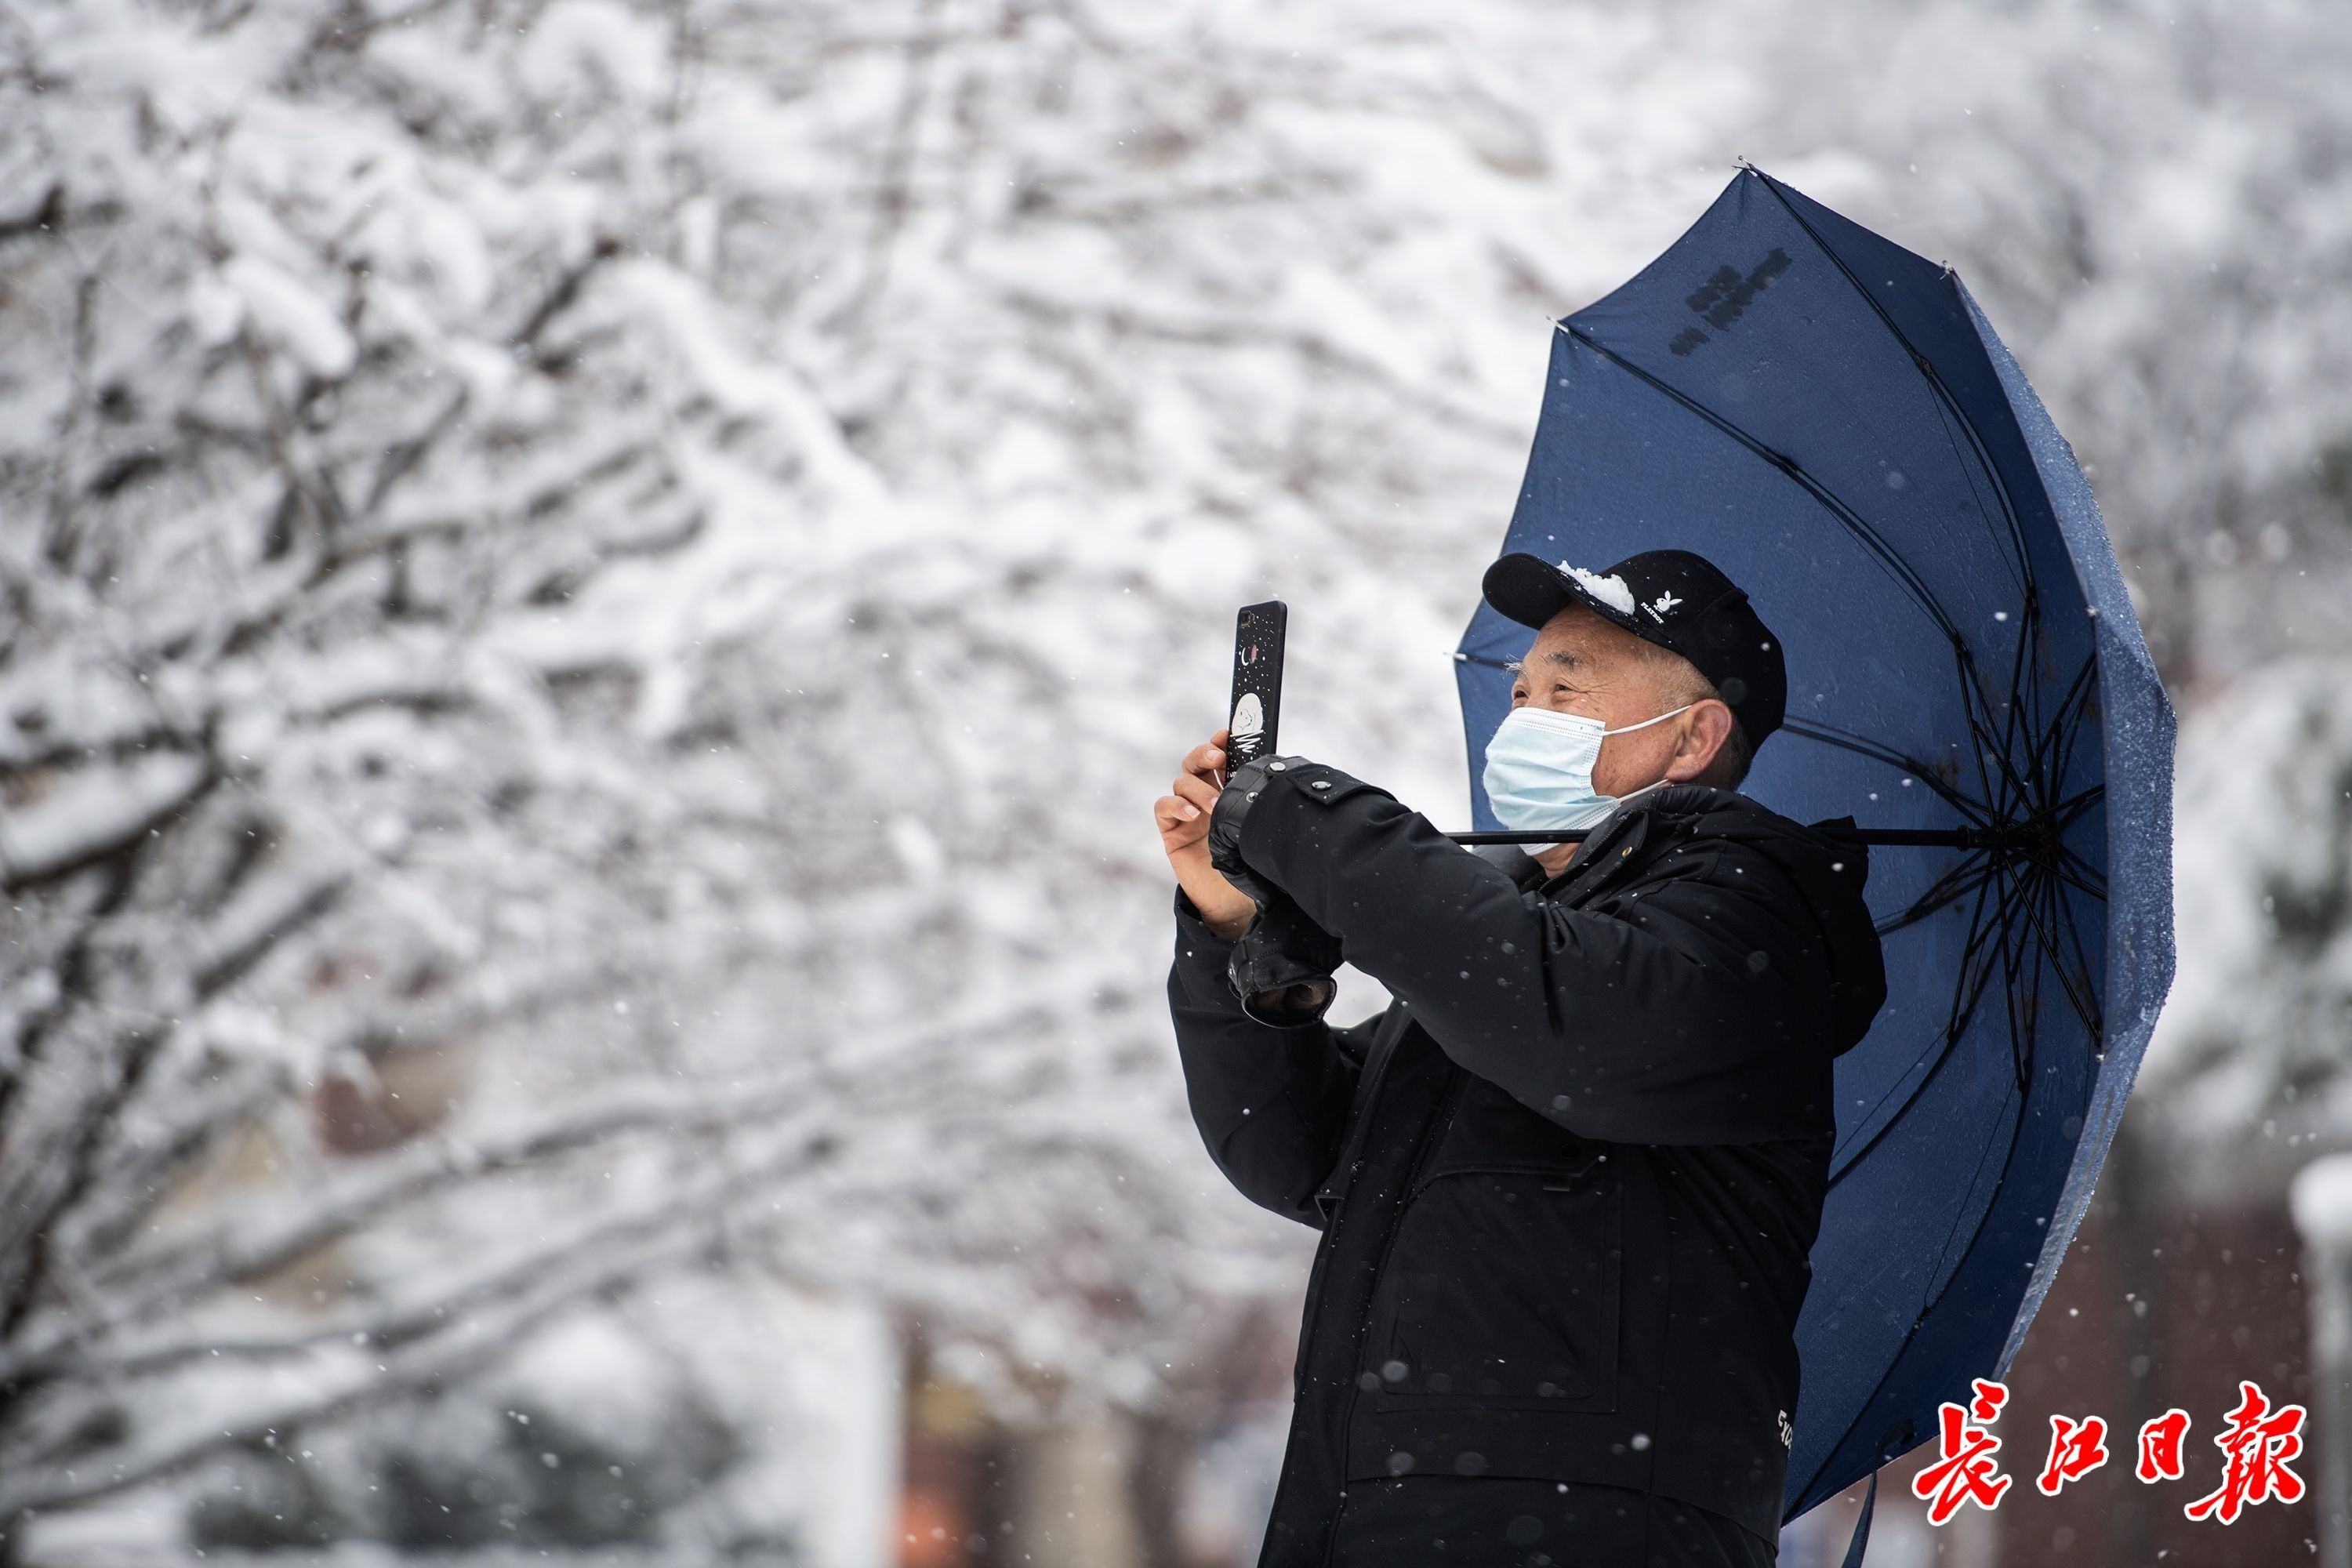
(1258, 681)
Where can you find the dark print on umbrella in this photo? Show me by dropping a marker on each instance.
(1831, 419)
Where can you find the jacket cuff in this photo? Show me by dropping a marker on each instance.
(1282, 967)
(1289, 816)
(1199, 946)
(1188, 918)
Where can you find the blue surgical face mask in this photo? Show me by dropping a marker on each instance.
(1540, 769)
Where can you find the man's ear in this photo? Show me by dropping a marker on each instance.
(1701, 741)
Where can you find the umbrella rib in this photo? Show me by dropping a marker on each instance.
(2054, 957)
(2038, 929)
(2014, 792)
(2025, 1030)
(1868, 1119)
(1928, 1304)
(2020, 795)
(2081, 881)
(1946, 890)
(2072, 713)
(2082, 965)
(1927, 368)
(1970, 696)
(1980, 715)
(2086, 1008)
(2017, 568)
(2026, 697)
(2077, 870)
(2025, 729)
(2051, 746)
(1974, 949)
(2083, 874)
(1829, 735)
(1505, 665)
(2090, 1009)
(1879, 1129)
(1964, 1000)
(2067, 812)
(1896, 566)
(1977, 953)
(2003, 942)
(2022, 732)
(2016, 895)
(1911, 1334)
(2051, 752)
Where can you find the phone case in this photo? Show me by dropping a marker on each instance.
(1258, 681)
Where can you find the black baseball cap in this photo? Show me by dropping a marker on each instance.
(1676, 599)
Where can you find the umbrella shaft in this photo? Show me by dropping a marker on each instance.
(1930, 837)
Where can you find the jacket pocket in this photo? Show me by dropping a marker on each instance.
(1502, 1291)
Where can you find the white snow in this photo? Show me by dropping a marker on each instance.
(95, 811)
(290, 312)
(1610, 590)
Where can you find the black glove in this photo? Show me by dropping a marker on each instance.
(1243, 786)
(1281, 966)
(1225, 830)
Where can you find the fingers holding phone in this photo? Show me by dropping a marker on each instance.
(1182, 819)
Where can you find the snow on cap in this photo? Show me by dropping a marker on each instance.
(1610, 590)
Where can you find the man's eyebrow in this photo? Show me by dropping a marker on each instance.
(1564, 656)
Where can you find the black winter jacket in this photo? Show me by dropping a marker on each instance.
(1568, 1180)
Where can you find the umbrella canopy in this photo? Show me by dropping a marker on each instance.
(1831, 419)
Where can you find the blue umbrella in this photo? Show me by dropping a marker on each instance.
(1831, 419)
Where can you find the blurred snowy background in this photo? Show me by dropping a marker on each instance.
(592, 597)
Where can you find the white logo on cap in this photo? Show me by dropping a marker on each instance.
(1666, 601)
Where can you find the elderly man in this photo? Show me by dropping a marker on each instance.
(1568, 1180)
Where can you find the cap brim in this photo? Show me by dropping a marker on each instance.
(1530, 590)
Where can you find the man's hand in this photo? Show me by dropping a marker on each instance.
(1183, 818)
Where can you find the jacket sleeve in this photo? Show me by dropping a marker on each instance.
(1664, 1016)
(1271, 1103)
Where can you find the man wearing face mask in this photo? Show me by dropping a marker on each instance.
(1567, 1181)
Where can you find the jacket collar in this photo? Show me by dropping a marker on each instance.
(1609, 850)
(1617, 844)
